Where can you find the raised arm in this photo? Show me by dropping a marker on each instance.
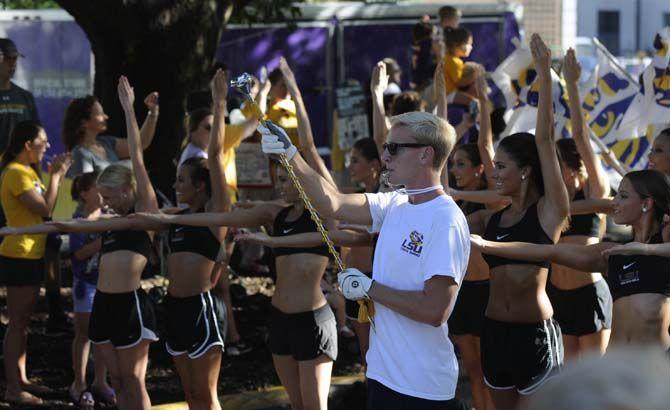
(440, 91)
(307, 146)
(485, 138)
(555, 206)
(328, 201)
(145, 191)
(147, 131)
(378, 85)
(597, 178)
(309, 239)
(584, 258)
(220, 201)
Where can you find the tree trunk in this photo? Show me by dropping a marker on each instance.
(160, 45)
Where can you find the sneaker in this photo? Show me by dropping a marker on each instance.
(237, 349)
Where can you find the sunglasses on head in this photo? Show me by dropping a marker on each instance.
(392, 147)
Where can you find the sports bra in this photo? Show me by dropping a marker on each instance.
(128, 240)
(583, 225)
(528, 229)
(469, 207)
(634, 274)
(194, 239)
(304, 224)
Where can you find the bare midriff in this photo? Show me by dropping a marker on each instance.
(641, 319)
(120, 271)
(298, 286)
(190, 274)
(517, 294)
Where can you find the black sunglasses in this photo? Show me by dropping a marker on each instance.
(392, 147)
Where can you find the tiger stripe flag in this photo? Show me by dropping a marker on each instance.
(655, 87)
(515, 77)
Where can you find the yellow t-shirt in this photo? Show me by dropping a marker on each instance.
(453, 72)
(16, 180)
(283, 113)
(234, 136)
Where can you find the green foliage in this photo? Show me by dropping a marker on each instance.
(28, 4)
(265, 11)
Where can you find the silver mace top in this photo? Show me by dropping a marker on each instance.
(242, 84)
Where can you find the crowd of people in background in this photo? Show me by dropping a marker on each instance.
(457, 242)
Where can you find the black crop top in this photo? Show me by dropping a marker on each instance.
(634, 274)
(584, 225)
(528, 229)
(134, 241)
(304, 224)
(194, 239)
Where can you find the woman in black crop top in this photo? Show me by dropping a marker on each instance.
(520, 344)
(582, 303)
(122, 320)
(303, 335)
(640, 284)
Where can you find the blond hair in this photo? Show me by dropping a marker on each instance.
(117, 176)
(429, 129)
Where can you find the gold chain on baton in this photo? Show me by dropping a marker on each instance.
(366, 307)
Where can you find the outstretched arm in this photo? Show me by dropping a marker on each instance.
(328, 201)
(242, 218)
(592, 206)
(597, 178)
(585, 258)
(555, 207)
(440, 91)
(145, 191)
(307, 146)
(637, 248)
(309, 239)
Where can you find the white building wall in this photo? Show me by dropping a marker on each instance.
(587, 20)
(569, 23)
(651, 20)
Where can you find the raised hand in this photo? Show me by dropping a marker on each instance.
(219, 86)
(541, 55)
(289, 77)
(380, 81)
(126, 93)
(571, 68)
(60, 164)
(151, 102)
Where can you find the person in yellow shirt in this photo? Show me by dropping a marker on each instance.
(282, 110)
(25, 202)
(459, 45)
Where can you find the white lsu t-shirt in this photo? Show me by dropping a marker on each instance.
(416, 242)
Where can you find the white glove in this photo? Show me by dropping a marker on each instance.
(354, 284)
(276, 141)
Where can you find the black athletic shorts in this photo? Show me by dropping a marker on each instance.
(520, 356)
(584, 310)
(381, 397)
(21, 272)
(351, 306)
(468, 314)
(122, 319)
(194, 324)
(304, 335)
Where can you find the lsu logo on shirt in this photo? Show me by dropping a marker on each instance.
(413, 245)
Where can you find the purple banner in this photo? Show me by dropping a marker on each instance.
(56, 68)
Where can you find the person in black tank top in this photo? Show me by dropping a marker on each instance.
(520, 343)
(639, 283)
(582, 303)
(466, 320)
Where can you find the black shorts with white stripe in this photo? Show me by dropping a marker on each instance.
(194, 324)
(122, 319)
(521, 356)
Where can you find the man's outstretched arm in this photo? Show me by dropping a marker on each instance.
(328, 201)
